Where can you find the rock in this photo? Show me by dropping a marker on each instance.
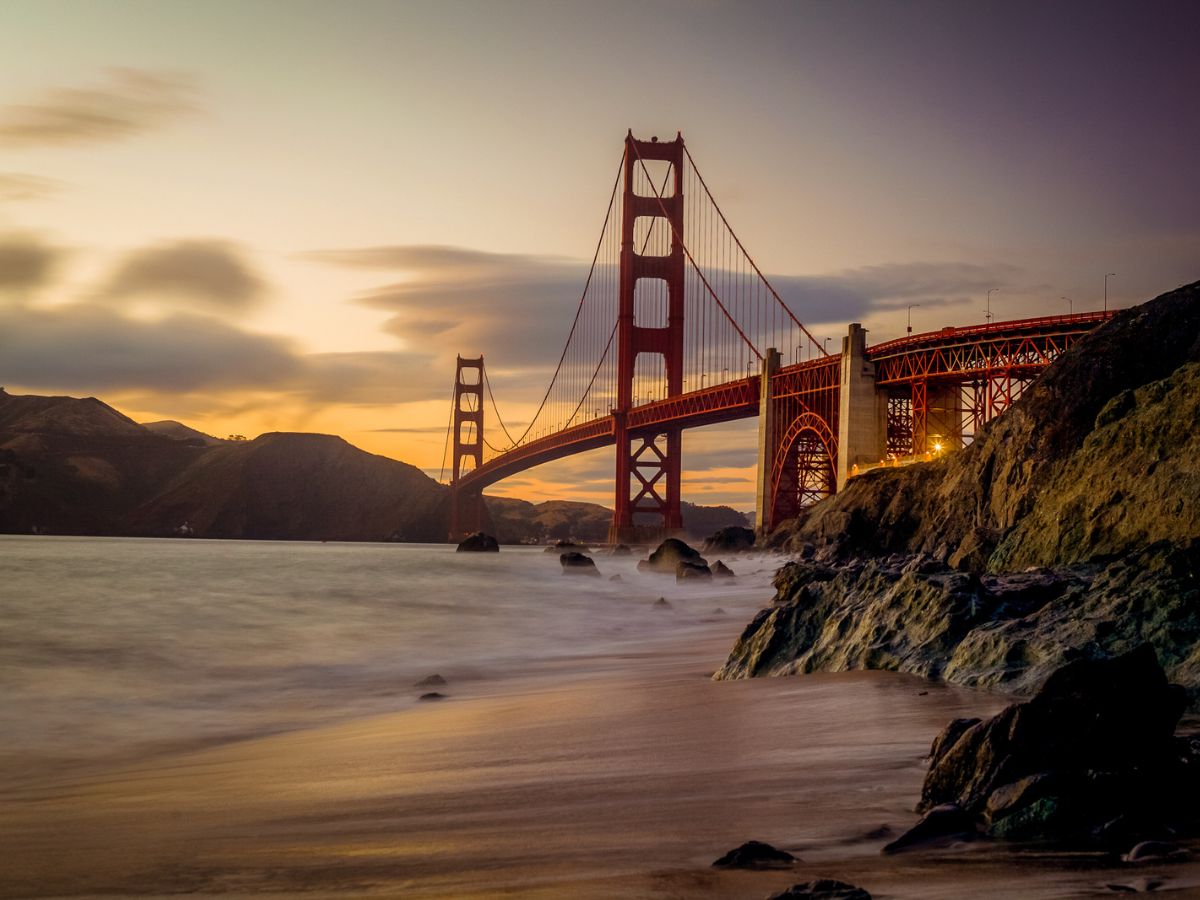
(720, 570)
(616, 577)
(1137, 886)
(432, 695)
(733, 539)
(686, 570)
(621, 550)
(668, 555)
(578, 564)
(719, 612)
(754, 855)
(1155, 852)
(662, 603)
(431, 681)
(940, 825)
(949, 736)
(822, 889)
(1091, 757)
(478, 543)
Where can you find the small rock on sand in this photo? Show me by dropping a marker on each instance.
(662, 603)
(429, 681)
(755, 855)
(1155, 852)
(822, 889)
(432, 695)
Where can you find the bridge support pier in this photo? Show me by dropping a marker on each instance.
(768, 436)
(862, 408)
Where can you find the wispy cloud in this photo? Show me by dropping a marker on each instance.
(518, 308)
(18, 187)
(128, 102)
(27, 262)
(212, 273)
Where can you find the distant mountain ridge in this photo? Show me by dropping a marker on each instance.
(78, 466)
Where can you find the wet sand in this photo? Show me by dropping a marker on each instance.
(623, 780)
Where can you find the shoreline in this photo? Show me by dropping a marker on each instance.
(621, 772)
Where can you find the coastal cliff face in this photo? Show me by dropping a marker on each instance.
(1071, 527)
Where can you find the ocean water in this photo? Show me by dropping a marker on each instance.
(111, 646)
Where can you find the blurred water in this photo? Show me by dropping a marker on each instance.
(111, 644)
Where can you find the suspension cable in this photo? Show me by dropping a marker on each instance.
(487, 382)
(684, 246)
(449, 428)
(578, 309)
(750, 258)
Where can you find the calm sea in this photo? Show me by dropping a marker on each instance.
(109, 646)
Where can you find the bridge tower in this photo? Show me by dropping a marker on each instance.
(649, 463)
(466, 506)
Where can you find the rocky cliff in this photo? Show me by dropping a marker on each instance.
(1070, 527)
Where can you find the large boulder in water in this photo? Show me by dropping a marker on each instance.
(687, 570)
(578, 564)
(734, 539)
(478, 543)
(669, 554)
(1095, 746)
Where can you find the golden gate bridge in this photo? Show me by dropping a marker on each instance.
(676, 327)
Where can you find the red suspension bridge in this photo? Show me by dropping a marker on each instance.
(676, 327)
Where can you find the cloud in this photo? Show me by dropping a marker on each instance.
(129, 102)
(851, 294)
(18, 186)
(378, 378)
(91, 349)
(517, 309)
(26, 262)
(212, 273)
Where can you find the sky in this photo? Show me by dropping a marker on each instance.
(254, 216)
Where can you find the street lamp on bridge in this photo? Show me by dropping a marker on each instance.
(1070, 305)
(987, 313)
(1106, 277)
(910, 309)
(825, 345)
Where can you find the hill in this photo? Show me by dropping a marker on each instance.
(180, 432)
(71, 466)
(78, 466)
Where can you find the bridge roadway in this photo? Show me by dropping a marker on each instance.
(1004, 353)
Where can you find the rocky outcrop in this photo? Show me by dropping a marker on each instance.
(478, 543)
(668, 555)
(1091, 757)
(913, 614)
(1069, 529)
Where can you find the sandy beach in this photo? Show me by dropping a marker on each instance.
(625, 780)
